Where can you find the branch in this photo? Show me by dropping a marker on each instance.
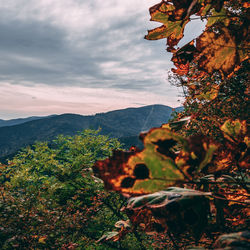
(197, 182)
(225, 199)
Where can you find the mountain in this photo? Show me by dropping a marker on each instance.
(125, 124)
(12, 122)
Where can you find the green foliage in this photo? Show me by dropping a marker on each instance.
(58, 169)
(49, 198)
(124, 124)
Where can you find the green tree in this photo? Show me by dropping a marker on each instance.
(50, 198)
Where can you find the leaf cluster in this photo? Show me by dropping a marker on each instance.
(204, 152)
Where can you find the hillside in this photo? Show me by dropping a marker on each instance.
(125, 124)
(12, 122)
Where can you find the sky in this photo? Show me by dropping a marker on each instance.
(82, 56)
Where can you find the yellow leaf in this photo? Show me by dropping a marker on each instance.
(145, 171)
(172, 27)
(217, 51)
(210, 94)
(42, 239)
(232, 130)
(218, 17)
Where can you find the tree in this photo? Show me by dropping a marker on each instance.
(197, 176)
(50, 199)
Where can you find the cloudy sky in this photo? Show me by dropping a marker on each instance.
(81, 56)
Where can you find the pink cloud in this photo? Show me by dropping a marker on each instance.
(45, 100)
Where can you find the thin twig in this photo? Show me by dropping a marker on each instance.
(225, 199)
(197, 182)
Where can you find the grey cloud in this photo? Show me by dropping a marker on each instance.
(33, 38)
(41, 52)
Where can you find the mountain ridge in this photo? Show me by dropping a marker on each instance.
(17, 121)
(123, 123)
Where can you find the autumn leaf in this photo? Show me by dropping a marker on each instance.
(177, 125)
(176, 209)
(112, 169)
(246, 5)
(209, 94)
(239, 240)
(182, 69)
(198, 155)
(217, 51)
(222, 163)
(173, 31)
(145, 171)
(123, 224)
(233, 130)
(42, 239)
(182, 57)
(158, 165)
(114, 236)
(174, 15)
(162, 198)
(216, 17)
(173, 26)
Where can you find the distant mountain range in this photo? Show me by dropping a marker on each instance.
(125, 124)
(12, 122)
